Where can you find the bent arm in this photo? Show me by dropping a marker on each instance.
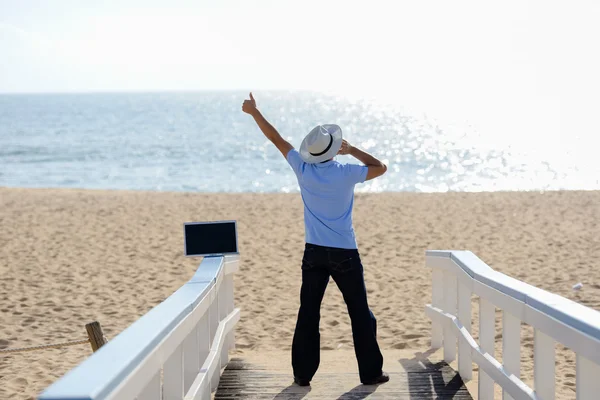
(271, 133)
(376, 167)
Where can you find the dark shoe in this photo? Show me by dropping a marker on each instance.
(384, 377)
(301, 382)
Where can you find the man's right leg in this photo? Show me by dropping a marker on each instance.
(307, 339)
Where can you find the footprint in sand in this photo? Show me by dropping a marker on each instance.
(20, 383)
(409, 336)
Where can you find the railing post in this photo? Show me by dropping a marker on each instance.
(450, 288)
(437, 333)
(214, 379)
(191, 359)
(465, 361)
(588, 379)
(230, 306)
(544, 362)
(511, 347)
(152, 390)
(203, 333)
(214, 316)
(173, 376)
(213, 311)
(223, 301)
(487, 337)
(223, 306)
(95, 334)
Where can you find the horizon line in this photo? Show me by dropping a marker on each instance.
(154, 91)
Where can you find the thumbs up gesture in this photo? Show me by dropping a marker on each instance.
(249, 106)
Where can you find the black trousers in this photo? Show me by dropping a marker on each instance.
(345, 267)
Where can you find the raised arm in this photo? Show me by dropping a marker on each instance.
(249, 107)
(376, 167)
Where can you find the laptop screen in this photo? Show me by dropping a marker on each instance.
(204, 238)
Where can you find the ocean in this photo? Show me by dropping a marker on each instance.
(202, 142)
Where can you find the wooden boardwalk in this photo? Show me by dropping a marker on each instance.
(268, 375)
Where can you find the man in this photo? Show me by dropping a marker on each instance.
(327, 189)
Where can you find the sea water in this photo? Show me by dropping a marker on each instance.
(202, 141)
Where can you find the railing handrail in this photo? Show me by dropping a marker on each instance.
(97, 376)
(575, 315)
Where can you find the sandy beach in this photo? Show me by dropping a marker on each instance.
(69, 257)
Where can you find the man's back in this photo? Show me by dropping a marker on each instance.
(328, 194)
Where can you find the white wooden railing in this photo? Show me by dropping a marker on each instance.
(175, 351)
(457, 275)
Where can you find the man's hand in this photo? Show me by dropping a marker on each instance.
(376, 167)
(249, 106)
(345, 149)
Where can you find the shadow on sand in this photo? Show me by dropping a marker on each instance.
(427, 380)
(293, 392)
(359, 392)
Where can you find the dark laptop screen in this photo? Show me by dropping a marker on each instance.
(210, 238)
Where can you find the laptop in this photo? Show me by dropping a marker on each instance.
(210, 238)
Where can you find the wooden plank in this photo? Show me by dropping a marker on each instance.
(414, 379)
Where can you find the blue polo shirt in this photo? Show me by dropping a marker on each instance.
(328, 194)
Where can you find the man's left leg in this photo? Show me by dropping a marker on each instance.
(373, 323)
(347, 272)
(307, 339)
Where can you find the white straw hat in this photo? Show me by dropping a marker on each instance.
(321, 144)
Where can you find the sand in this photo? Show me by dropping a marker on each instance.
(69, 257)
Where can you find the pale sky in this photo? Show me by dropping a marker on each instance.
(535, 61)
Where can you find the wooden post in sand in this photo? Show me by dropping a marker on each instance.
(95, 334)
